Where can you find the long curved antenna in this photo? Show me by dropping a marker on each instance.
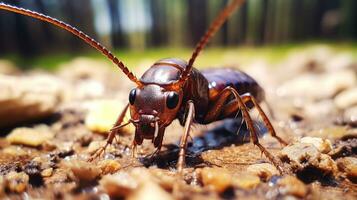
(75, 32)
(216, 24)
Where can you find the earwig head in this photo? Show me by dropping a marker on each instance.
(153, 107)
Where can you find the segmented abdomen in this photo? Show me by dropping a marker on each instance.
(219, 79)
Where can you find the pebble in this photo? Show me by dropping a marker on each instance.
(318, 86)
(95, 145)
(33, 137)
(168, 179)
(263, 170)
(15, 151)
(349, 166)
(83, 171)
(323, 145)
(304, 155)
(339, 62)
(148, 189)
(290, 185)
(350, 116)
(318, 110)
(29, 98)
(246, 181)
(333, 133)
(102, 115)
(7, 67)
(109, 166)
(118, 185)
(2, 186)
(346, 99)
(219, 179)
(16, 182)
(47, 172)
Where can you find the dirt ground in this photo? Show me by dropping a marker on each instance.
(52, 122)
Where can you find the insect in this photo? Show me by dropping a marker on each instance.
(173, 89)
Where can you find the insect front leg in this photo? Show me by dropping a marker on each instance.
(112, 134)
(183, 141)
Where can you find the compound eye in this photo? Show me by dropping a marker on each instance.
(172, 100)
(132, 96)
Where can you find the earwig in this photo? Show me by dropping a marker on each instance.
(173, 89)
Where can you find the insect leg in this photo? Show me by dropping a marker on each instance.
(232, 107)
(249, 98)
(111, 135)
(183, 142)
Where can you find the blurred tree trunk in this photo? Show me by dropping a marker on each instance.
(159, 31)
(80, 15)
(255, 18)
(214, 8)
(270, 22)
(117, 35)
(8, 40)
(297, 20)
(22, 35)
(349, 19)
(197, 19)
(176, 23)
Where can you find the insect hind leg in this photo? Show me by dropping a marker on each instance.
(249, 98)
(240, 104)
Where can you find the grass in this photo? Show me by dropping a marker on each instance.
(216, 56)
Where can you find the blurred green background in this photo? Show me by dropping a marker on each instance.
(137, 30)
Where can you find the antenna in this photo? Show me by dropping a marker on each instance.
(75, 32)
(216, 24)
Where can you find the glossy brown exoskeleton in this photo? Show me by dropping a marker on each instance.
(172, 89)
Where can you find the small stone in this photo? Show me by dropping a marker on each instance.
(264, 170)
(15, 151)
(95, 145)
(118, 185)
(109, 166)
(29, 136)
(324, 85)
(346, 99)
(246, 181)
(29, 98)
(7, 67)
(350, 116)
(103, 114)
(167, 179)
(318, 110)
(349, 166)
(16, 182)
(341, 61)
(217, 178)
(290, 185)
(332, 133)
(148, 188)
(47, 172)
(304, 156)
(2, 186)
(323, 145)
(83, 171)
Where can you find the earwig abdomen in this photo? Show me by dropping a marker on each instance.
(221, 78)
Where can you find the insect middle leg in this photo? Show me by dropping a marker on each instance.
(111, 135)
(219, 109)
